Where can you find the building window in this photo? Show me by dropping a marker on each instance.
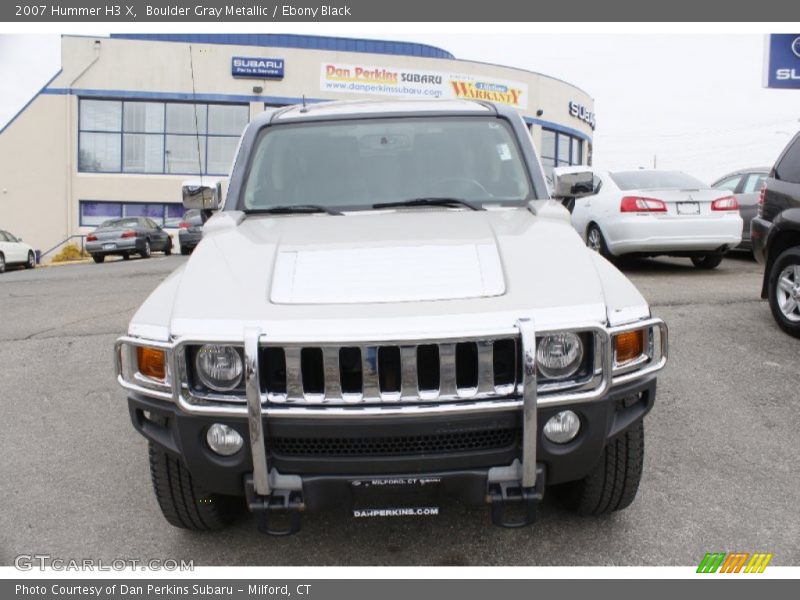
(94, 213)
(560, 149)
(118, 136)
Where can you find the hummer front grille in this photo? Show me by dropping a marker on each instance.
(403, 372)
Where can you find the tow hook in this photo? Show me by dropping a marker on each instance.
(513, 506)
(277, 514)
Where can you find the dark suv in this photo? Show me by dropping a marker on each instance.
(776, 238)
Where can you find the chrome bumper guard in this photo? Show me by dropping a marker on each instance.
(519, 482)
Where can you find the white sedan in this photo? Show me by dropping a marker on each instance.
(14, 251)
(649, 212)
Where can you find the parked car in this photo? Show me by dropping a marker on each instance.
(13, 251)
(127, 236)
(389, 304)
(776, 238)
(745, 185)
(650, 212)
(190, 231)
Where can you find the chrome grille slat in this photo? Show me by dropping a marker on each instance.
(333, 382)
(409, 386)
(294, 375)
(369, 374)
(447, 371)
(485, 366)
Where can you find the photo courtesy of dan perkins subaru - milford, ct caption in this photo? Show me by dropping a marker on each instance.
(255, 10)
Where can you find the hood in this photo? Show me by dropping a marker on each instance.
(396, 274)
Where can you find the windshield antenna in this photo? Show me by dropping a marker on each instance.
(305, 108)
(196, 123)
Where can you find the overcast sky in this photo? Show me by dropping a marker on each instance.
(693, 101)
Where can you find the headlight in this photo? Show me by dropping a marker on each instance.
(219, 367)
(559, 355)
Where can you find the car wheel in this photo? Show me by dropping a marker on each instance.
(98, 258)
(784, 291)
(31, 261)
(2, 263)
(126, 256)
(708, 261)
(613, 482)
(185, 250)
(168, 249)
(183, 502)
(595, 240)
(147, 250)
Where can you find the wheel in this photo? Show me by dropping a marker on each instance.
(784, 291)
(595, 240)
(168, 249)
(708, 261)
(185, 250)
(614, 481)
(31, 262)
(147, 251)
(98, 258)
(126, 256)
(183, 502)
(2, 263)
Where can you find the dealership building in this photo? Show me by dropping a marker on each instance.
(128, 118)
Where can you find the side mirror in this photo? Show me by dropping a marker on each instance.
(573, 185)
(202, 196)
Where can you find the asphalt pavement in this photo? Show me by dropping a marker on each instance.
(722, 442)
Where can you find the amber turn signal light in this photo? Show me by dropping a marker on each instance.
(152, 362)
(629, 345)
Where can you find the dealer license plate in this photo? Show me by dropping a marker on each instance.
(395, 497)
(688, 208)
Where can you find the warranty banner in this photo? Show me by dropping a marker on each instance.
(414, 83)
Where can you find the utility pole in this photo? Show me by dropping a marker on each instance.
(655, 161)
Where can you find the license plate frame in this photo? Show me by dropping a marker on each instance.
(395, 497)
(688, 208)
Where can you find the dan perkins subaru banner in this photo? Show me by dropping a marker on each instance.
(391, 81)
(782, 61)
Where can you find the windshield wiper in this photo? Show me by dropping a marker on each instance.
(293, 209)
(432, 201)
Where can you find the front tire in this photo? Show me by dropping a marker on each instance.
(784, 291)
(31, 263)
(146, 250)
(168, 248)
(613, 482)
(2, 263)
(183, 502)
(708, 261)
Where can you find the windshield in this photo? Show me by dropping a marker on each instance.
(357, 164)
(644, 180)
(120, 223)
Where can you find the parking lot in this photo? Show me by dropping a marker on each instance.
(721, 445)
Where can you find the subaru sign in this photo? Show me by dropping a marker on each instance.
(782, 61)
(257, 67)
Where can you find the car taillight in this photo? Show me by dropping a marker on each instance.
(91, 238)
(761, 194)
(128, 234)
(639, 204)
(726, 203)
(183, 225)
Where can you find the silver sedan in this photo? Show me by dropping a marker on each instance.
(127, 236)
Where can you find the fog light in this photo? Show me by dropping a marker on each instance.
(224, 440)
(562, 427)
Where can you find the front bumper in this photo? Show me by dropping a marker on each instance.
(327, 481)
